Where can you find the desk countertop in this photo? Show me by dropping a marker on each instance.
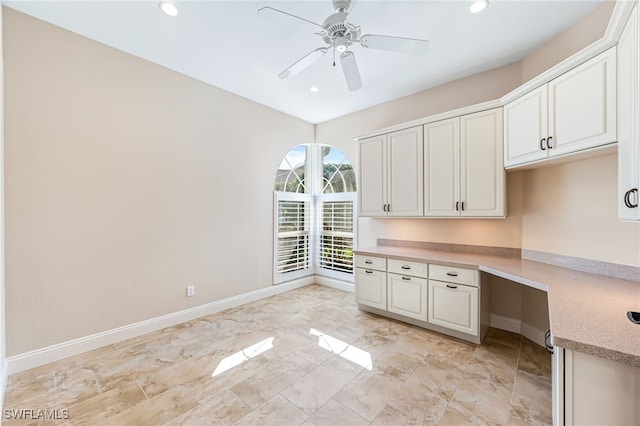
(587, 312)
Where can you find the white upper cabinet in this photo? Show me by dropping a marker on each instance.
(391, 174)
(629, 118)
(464, 175)
(573, 112)
(442, 168)
(526, 128)
(482, 179)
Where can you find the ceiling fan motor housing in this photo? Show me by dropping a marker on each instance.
(339, 30)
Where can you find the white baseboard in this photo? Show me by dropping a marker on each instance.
(532, 333)
(517, 326)
(505, 323)
(27, 360)
(333, 283)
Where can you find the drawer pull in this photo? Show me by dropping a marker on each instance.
(452, 286)
(369, 262)
(406, 267)
(452, 274)
(406, 278)
(369, 272)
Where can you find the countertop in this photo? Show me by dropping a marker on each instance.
(587, 312)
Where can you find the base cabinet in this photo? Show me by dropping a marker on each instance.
(454, 306)
(445, 299)
(588, 390)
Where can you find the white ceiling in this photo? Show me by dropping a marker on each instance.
(226, 44)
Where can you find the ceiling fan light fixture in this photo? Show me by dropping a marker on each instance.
(169, 8)
(340, 43)
(314, 89)
(478, 6)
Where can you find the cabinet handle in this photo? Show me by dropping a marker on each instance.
(462, 205)
(406, 278)
(369, 272)
(627, 198)
(542, 144)
(388, 207)
(457, 205)
(452, 274)
(406, 267)
(369, 262)
(452, 286)
(549, 146)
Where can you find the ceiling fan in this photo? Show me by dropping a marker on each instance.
(339, 35)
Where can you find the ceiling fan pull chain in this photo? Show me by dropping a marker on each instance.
(334, 54)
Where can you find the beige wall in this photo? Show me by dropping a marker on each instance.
(125, 182)
(3, 348)
(571, 209)
(586, 31)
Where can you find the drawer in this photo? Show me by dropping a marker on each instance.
(454, 274)
(371, 262)
(405, 267)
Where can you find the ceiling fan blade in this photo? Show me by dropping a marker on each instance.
(303, 63)
(278, 15)
(350, 70)
(413, 46)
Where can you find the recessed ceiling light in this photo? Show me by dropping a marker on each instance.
(169, 8)
(478, 6)
(314, 89)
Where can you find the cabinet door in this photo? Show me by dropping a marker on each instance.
(481, 164)
(407, 296)
(629, 119)
(442, 168)
(405, 172)
(454, 306)
(373, 176)
(526, 128)
(582, 106)
(371, 288)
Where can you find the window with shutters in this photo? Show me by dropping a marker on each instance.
(315, 194)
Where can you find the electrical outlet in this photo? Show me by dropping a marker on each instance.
(191, 290)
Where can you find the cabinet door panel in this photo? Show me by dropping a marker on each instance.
(629, 115)
(525, 125)
(371, 288)
(481, 164)
(405, 172)
(442, 168)
(373, 176)
(582, 105)
(454, 306)
(407, 296)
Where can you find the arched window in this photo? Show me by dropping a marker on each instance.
(314, 230)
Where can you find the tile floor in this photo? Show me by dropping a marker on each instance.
(309, 357)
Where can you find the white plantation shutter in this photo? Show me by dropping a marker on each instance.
(293, 236)
(336, 234)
